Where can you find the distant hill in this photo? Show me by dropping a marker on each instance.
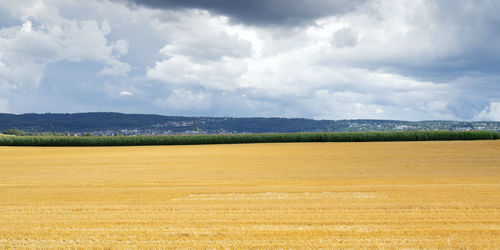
(134, 124)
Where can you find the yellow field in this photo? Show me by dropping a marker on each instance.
(301, 195)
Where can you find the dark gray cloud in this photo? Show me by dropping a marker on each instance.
(262, 12)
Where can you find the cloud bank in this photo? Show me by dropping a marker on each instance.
(387, 59)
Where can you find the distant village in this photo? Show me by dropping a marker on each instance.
(117, 124)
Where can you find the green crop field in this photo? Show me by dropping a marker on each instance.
(245, 138)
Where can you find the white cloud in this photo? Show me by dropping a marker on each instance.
(290, 75)
(490, 113)
(184, 71)
(116, 68)
(120, 47)
(126, 93)
(203, 50)
(46, 37)
(413, 35)
(185, 100)
(204, 37)
(345, 37)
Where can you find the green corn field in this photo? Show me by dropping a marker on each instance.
(245, 138)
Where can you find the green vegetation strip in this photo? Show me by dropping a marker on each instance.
(245, 138)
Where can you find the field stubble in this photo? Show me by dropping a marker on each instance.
(297, 195)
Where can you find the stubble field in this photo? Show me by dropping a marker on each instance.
(295, 195)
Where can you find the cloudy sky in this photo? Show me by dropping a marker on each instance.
(323, 59)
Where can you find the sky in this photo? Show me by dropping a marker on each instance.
(321, 59)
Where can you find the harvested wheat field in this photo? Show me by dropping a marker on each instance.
(295, 195)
